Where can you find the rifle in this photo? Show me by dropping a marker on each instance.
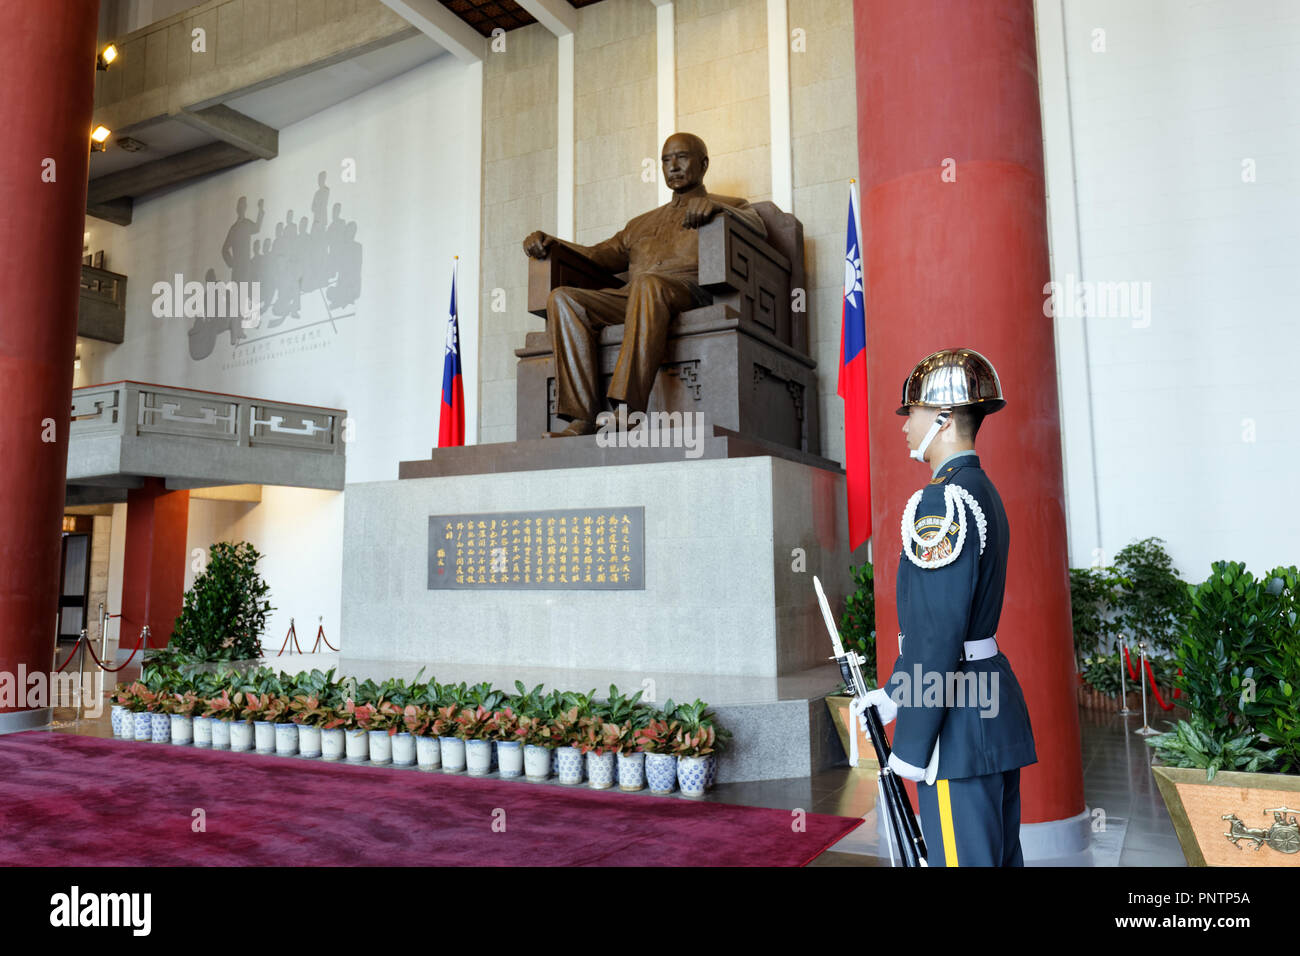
(904, 830)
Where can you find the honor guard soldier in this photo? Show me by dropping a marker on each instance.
(963, 729)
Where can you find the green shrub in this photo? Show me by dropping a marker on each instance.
(858, 625)
(1150, 598)
(1240, 655)
(225, 610)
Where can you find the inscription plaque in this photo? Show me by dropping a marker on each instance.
(600, 549)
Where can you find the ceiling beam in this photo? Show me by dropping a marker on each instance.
(556, 15)
(117, 211)
(168, 171)
(443, 27)
(233, 127)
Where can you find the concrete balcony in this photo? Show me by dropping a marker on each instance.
(123, 432)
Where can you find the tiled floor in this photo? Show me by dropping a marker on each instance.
(1133, 828)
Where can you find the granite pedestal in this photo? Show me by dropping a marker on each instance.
(728, 613)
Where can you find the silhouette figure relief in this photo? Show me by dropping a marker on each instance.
(314, 259)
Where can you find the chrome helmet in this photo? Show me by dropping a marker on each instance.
(951, 378)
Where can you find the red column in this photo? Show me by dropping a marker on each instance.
(954, 84)
(46, 101)
(153, 579)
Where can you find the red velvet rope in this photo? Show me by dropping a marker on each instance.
(113, 670)
(320, 636)
(1132, 671)
(1156, 690)
(291, 633)
(59, 669)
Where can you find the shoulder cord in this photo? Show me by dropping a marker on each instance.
(953, 497)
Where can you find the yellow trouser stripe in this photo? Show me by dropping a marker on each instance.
(945, 822)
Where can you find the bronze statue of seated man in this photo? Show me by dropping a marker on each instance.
(659, 251)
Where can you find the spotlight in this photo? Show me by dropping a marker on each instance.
(99, 138)
(106, 57)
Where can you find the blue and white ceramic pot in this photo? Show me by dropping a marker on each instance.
(631, 771)
(537, 761)
(510, 758)
(661, 772)
(142, 725)
(600, 770)
(221, 734)
(286, 739)
(690, 775)
(453, 754)
(710, 771)
(203, 732)
(381, 747)
(308, 740)
(117, 714)
(428, 755)
(332, 743)
(403, 749)
(264, 734)
(161, 728)
(241, 736)
(358, 747)
(478, 757)
(182, 729)
(568, 764)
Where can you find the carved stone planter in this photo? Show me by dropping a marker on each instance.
(839, 710)
(1236, 819)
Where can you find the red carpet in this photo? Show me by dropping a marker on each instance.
(82, 801)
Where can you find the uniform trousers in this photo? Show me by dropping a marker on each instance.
(646, 306)
(972, 821)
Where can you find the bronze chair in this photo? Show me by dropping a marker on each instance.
(742, 360)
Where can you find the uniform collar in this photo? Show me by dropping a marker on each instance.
(951, 464)
(680, 198)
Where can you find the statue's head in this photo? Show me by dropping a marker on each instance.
(685, 159)
(241, 204)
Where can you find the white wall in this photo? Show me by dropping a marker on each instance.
(415, 143)
(1188, 437)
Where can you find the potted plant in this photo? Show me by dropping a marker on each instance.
(567, 730)
(356, 718)
(599, 741)
(223, 711)
(1237, 758)
(262, 710)
(630, 761)
(419, 719)
(452, 748)
(692, 748)
(122, 717)
(225, 610)
(474, 727)
(315, 718)
(692, 718)
(535, 732)
(504, 728)
(182, 707)
(655, 740)
(382, 722)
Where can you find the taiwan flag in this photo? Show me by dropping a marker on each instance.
(853, 384)
(451, 420)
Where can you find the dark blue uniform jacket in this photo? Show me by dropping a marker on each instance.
(938, 610)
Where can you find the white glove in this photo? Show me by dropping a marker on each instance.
(888, 709)
(905, 769)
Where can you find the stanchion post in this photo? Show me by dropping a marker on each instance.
(81, 672)
(1123, 684)
(1145, 730)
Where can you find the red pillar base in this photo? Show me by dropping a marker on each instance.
(153, 581)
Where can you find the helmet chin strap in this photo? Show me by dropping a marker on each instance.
(919, 452)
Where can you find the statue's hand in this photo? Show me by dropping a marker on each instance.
(699, 210)
(538, 244)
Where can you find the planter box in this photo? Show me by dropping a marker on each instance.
(839, 710)
(1236, 819)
